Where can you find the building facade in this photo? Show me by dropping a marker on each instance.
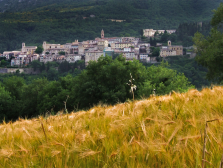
(151, 32)
(92, 56)
(170, 50)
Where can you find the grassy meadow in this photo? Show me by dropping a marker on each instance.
(161, 131)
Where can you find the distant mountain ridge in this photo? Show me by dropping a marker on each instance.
(159, 5)
(61, 21)
(189, 10)
(24, 5)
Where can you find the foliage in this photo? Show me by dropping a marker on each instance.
(36, 64)
(165, 131)
(103, 81)
(39, 50)
(186, 31)
(163, 80)
(195, 73)
(62, 53)
(6, 103)
(155, 51)
(209, 49)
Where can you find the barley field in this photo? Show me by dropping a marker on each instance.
(176, 130)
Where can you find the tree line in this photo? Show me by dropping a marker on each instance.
(103, 82)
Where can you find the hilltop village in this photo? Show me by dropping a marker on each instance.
(90, 50)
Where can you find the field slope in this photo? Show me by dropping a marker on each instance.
(166, 131)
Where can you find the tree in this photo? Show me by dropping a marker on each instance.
(39, 50)
(209, 49)
(105, 81)
(35, 64)
(52, 74)
(62, 53)
(31, 98)
(155, 51)
(6, 104)
(64, 67)
(164, 37)
(14, 85)
(4, 62)
(164, 80)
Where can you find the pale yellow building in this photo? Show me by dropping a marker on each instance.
(151, 32)
(28, 49)
(7, 54)
(53, 48)
(72, 58)
(177, 48)
(123, 45)
(128, 55)
(46, 59)
(171, 50)
(164, 52)
(102, 44)
(92, 56)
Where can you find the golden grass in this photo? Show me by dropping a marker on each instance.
(164, 131)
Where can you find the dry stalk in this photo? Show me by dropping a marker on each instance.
(204, 145)
(221, 164)
(44, 130)
(190, 137)
(131, 140)
(173, 134)
(206, 161)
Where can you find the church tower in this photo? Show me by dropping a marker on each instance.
(23, 47)
(102, 34)
(169, 43)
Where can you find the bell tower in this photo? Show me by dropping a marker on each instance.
(102, 34)
(23, 47)
(169, 43)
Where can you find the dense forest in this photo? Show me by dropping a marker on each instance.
(64, 21)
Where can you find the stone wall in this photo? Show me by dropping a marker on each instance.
(24, 70)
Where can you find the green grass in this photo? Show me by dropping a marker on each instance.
(165, 131)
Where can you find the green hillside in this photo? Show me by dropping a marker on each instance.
(62, 21)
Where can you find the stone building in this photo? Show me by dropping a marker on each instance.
(102, 44)
(73, 58)
(171, 50)
(164, 52)
(123, 45)
(52, 48)
(92, 56)
(151, 32)
(9, 54)
(48, 58)
(28, 49)
(177, 48)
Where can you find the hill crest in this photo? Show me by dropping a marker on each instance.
(159, 131)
